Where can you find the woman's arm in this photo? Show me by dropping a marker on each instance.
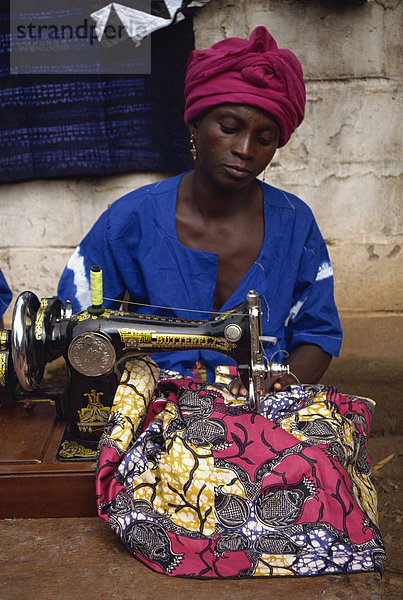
(307, 364)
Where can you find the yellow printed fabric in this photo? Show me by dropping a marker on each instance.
(196, 484)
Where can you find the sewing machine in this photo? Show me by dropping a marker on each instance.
(95, 344)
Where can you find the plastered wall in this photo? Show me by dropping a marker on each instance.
(344, 160)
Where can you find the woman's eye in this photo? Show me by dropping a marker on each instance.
(226, 129)
(265, 141)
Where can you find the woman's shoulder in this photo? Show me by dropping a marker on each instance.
(281, 199)
(139, 210)
(146, 196)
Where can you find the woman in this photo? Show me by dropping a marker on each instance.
(192, 481)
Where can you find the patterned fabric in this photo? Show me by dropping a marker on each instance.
(55, 125)
(197, 485)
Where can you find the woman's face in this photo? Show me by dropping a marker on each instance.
(235, 142)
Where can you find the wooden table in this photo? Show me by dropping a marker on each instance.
(32, 482)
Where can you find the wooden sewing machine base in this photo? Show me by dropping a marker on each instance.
(33, 483)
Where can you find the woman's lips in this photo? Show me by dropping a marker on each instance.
(237, 170)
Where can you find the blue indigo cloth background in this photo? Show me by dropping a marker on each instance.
(65, 125)
(5, 294)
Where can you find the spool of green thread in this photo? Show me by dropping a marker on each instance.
(96, 291)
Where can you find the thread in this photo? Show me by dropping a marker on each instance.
(190, 310)
(96, 286)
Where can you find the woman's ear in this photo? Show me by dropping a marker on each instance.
(193, 149)
(194, 124)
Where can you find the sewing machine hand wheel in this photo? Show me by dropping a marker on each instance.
(29, 373)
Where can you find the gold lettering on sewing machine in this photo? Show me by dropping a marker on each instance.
(3, 340)
(40, 315)
(85, 315)
(82, 316)
(166, 319)
(94, 416)
(142, 340)
(3, 366)
(132, 339)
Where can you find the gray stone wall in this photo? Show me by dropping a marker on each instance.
(344, 160)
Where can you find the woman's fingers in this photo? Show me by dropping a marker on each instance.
(237, 388)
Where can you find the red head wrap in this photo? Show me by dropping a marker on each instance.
(254, 72)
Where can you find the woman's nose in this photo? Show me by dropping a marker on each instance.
(243, 146)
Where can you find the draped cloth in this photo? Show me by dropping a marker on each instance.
(254, 72)
(5, 294)
(197, 485)
(72, 125)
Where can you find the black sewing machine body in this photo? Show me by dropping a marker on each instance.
(96, 343)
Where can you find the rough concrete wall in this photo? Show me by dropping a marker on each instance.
(41, 222)
(343, 160)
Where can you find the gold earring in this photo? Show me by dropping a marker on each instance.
(193, 149)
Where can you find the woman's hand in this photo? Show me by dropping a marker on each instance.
(237, 388)
(307, 364)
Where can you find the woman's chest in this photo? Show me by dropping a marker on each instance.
(237, 248)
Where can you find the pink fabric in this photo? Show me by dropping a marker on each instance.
(254, 72)
(292, 506)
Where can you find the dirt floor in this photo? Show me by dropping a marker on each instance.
(383, 382)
